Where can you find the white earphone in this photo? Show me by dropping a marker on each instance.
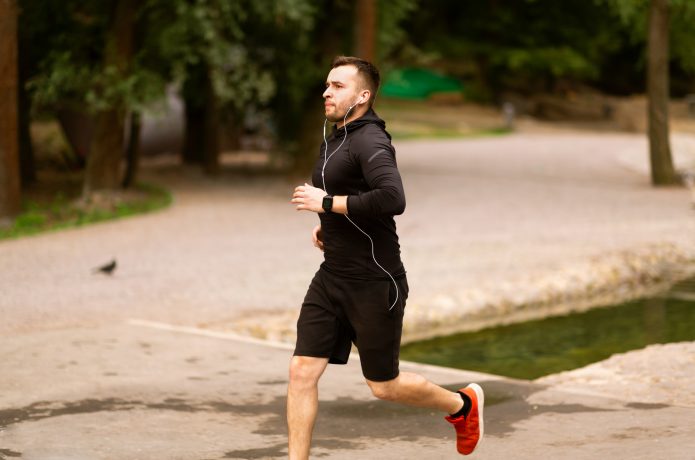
(358, 101)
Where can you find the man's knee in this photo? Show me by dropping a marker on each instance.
(306, 370)
(388, 391)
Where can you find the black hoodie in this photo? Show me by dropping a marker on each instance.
(363, 168)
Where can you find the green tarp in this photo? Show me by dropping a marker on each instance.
(417, 83)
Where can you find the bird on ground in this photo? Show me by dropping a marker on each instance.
(107, 269)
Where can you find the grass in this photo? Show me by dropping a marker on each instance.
(444, 133)
(54, 200)
(41, 213)
(413, 119)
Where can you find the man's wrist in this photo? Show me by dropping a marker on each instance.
(340, 205)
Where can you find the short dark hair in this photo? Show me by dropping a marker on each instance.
(365, 69)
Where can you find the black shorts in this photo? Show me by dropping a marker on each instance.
(340, 311)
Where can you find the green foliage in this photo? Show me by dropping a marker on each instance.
(272, 55)
(683, 34)
(556, 61)
(390, 33)
(522, 44)
(173, 36)
(630, 12)
(634, 14)
(70, 71)
(30, 219)
(235, 41)
(532, 45)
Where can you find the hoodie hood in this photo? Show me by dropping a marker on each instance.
(370, 117)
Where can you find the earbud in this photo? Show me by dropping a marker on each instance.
(358, 101)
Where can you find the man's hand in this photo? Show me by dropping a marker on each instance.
(308, 198)
(317, 238)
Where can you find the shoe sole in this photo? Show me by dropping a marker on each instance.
(481, 405)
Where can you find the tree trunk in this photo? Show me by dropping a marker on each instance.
(194, 116)
(365, 29)
(662, 169)
(133, 150)
(232, 129)
(194, 133)
(26, 151)
(106, 149)
(202, 118)
(27, 165)
(105, 152)
(211, 145)
(9, 158)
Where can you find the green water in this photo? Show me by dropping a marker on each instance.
(536, 348)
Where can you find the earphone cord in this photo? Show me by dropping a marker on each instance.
(326, 157)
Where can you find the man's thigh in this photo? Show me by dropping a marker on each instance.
(322, 331)
(377, 326)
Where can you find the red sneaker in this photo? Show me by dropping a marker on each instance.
(469, 430)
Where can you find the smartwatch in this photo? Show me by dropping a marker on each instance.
(327, 203)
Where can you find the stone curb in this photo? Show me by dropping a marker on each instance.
(600, 281)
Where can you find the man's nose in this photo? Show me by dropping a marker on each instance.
(327, 93)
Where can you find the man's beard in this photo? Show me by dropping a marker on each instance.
(338, 114)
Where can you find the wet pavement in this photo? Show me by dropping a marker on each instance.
(141, 390)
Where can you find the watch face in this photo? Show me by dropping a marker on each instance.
(327, 203)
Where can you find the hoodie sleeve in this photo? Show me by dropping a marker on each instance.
(377, 159)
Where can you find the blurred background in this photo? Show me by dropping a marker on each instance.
(101, 86)
(547, 150)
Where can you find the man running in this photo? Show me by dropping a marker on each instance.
(358, 294)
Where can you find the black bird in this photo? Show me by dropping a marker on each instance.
(107, 269)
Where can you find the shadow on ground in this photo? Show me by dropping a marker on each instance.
(343, 423)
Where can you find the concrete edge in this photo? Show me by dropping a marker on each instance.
(208, 333)
(462, 374)
(411, 365)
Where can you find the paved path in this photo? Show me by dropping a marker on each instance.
(80, 380)
(127, 391)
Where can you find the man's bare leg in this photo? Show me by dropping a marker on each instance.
(302, 403)
(415, 390)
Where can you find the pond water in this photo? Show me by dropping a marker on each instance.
(541, 347)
